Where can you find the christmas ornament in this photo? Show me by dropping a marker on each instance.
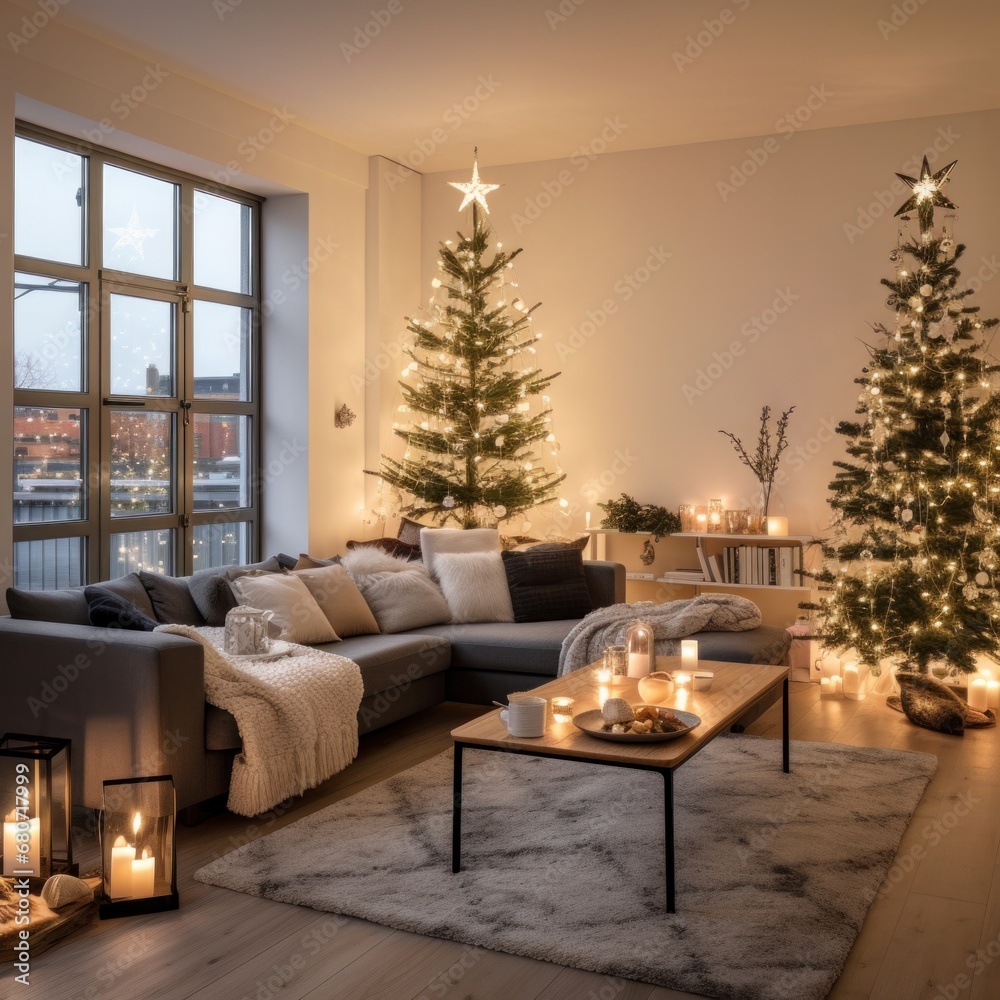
(927, 193)
(475, 190)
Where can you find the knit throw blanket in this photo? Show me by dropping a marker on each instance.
(671, 622)
(297, 716)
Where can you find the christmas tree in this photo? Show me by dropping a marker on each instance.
(472, 419)
(912, 565)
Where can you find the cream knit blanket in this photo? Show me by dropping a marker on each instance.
(604, 627)
(297, 716)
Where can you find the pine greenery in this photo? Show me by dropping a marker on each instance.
(912, 567)
(469, 442)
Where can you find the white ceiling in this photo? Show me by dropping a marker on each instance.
(551, 72)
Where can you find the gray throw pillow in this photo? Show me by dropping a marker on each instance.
(403, 601)
(171, 599)
(212, 594)
(69, 606)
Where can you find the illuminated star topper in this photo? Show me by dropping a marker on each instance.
(475, 190)
(927, 193)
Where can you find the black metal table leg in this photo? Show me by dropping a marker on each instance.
(456, 813)
(784, 725)
(668, 834)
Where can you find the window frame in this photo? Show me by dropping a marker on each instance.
(96, 527)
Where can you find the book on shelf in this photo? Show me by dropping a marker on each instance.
(689, 576)
(703, 560)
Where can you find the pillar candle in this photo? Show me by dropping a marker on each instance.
(586, 519)
(689, 653)
(143, 871)
(978, 696)
(829, 666)
(120, 882)
(993, 694)
(851, 681)
(20, 855)
(777, 525)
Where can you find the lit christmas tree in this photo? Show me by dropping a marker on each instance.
(912, 566)
(472, 419)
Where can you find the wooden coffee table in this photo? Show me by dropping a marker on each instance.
(736, 687)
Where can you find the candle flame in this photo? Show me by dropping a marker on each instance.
(136, 823)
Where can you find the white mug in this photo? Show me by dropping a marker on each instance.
(525, 716)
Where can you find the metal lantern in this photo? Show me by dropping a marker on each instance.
(138, 846)
(36, 801)
(641, 649)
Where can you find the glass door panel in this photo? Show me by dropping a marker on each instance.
(143, 346)
(142, 463)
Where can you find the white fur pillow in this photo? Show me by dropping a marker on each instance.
(295, 610)
(475, 586)
(434, 542)
(366, 559)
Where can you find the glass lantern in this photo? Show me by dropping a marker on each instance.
(138, 846)
(641, 650)
(36, 801)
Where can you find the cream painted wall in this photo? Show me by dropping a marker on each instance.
(649, 273)
(314, 276)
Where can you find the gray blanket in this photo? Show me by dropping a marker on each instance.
(671, 622)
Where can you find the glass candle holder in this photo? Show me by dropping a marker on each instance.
(562, 709)
(640, 649)
(715, 516)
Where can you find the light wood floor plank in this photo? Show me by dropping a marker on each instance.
(935, 911)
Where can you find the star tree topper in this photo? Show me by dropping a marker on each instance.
(927, 193)
(475, 190)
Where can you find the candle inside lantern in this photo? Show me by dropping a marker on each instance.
(978, 695)
(689, 653)
(21, 855)
(122, 856)
(701, 522)
(143, 871)
(777, 525)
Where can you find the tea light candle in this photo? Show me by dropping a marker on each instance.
(143, 871)
(682, 681)
(603, 675)
(830, 666)
(689, 653)
(562, 709)
(777, 525)
(978, 695)
(701, 522)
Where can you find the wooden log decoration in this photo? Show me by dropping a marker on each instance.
(45, 924)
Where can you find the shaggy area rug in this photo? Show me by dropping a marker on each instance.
(563, 861)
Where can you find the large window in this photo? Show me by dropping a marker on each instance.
(136, 339)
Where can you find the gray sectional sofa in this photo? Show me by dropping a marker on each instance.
(132, 702)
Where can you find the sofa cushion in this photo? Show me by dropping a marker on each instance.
(394, 661)
(475, 586)
(404, 601)
(340, 600)
(109, 610)
(306, 561)
(212, 594)
(434, 541)
(171, 599)
(547, 584)
(295, 610)
(69, 606)
(391, 546)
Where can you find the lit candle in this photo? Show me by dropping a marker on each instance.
(586, 519)
(142, 875)
(562, 709)
(978, 695)
(603, 694)
(689, 653)
(851, 680)
(993, 694)
(22, 856)
(824, 687)
(701, 522)
(681, 680)
(830, 666)
(122, 856)
(603, 675)
(777, 525)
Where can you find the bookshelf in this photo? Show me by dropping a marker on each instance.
(754, 561)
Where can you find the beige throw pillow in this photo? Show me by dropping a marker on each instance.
(340, 600)
(295, 609)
